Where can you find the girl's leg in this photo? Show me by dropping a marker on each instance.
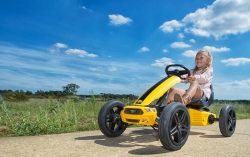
(172, 92)
(194, 92)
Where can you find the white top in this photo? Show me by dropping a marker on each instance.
(204, 79)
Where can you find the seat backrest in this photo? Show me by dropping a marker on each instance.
(211, 99)
(202, 102)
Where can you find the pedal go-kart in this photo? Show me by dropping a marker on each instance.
(172, 121)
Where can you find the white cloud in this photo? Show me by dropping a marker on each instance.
(237, 84)
(119, 20)
(198, 32)
(112, 69)
(165, 50)
(180, 35)
(169, 26)
(179, 45)
(85, 8)
(189, 53)
(223, 17)
(60, 45)
(56, 47)
(235, 61)
(214, 49)
(144, 49)
(96, 69)
(80, 53)
(232, 89)
(192, 40)
(162, 62)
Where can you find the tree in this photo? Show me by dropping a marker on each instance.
(70, 88)
(28, 92)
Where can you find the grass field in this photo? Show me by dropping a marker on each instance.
(51, 116)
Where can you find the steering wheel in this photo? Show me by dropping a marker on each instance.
(177, 72)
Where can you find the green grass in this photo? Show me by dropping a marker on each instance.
(37, 117)
(51, 116)
(242, 110)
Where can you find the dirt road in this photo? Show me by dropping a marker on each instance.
(203, 141)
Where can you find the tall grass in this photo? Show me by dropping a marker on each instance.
(242, 110)
(36, 117)
(50, 116)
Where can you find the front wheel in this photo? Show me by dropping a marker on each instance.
(227, 120)
(174, 126)
(109, 119)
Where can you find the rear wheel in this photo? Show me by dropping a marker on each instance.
(174, 126)
(109, 119)
(227, 120)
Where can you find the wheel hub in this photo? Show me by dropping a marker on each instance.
(116, 118)
(179, 126)
(211, 119)
(230, 120)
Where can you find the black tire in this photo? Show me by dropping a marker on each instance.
(109, 119)
(227, 120)
(174, 126)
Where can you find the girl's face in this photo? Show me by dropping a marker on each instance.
(201, 61)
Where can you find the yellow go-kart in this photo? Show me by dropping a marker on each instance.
(173, 120)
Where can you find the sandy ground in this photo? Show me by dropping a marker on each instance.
(203, 141)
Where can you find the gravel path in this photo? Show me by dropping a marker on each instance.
(136, 141)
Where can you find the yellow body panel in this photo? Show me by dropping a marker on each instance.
(158, 91)
(199, 118)
(147, 116)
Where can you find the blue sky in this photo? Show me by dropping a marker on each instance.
(121, 47)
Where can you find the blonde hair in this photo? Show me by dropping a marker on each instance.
(209, 60)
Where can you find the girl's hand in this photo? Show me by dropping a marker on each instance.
(190, 78)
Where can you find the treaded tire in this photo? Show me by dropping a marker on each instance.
(227, 120)
(109, 119)
(174, 126)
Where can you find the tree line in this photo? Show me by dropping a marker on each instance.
(71, 89)
(68, 90)
(232, 101)
(20, 95)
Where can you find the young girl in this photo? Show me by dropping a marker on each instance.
(200, 81)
